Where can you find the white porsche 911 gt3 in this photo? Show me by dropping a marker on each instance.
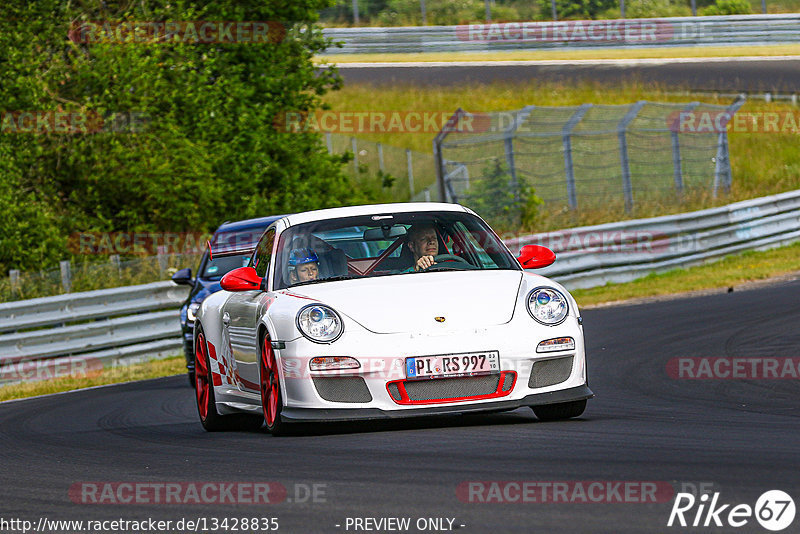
(385, 311)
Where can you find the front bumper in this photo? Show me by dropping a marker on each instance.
(300, 415)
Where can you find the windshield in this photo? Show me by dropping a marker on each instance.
(220, 266)
(387, 244)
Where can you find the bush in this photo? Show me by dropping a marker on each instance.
(577, 9)
(504, 204)
(727, 7)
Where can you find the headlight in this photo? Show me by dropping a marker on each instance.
(547, 305)
(319, 323)
(191, 311)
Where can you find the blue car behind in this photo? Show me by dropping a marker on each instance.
(211, 271)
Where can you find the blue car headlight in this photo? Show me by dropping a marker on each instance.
(319, 323)
(547, 305)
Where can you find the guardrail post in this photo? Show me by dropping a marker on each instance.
(622, 129)
(566, 141)
(410, 168)
(13, 279)
(66, 276)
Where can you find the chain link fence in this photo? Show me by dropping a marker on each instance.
(588, 156)
(400, 174)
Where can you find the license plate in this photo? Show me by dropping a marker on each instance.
(453, 364)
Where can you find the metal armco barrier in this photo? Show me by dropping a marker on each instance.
(592, 256)
(55, 336)
(129, 324)
(703, 31)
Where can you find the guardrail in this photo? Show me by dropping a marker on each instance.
(49, 336)
(743, 30)
(591, 256)
(78, 332)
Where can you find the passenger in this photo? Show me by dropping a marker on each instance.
(303, 265)
(424, 245)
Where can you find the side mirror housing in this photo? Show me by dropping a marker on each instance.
(183, 277)
(241, 279)
(536, 257)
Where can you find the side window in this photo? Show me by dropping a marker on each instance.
(263, 253)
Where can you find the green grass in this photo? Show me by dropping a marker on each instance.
(731, 271)
(762, 163)
(141, 371)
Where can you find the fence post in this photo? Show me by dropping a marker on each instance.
(114, 259)
(437, 152)
(622, 128)
(677, 163)
(13, 278)
(354, 144)
(66, 276)
(329, 142)
(424, 12)
(694, 8)
(410, 168)
(722, 167)
(356, 18)
(555, 11)
(566, 141)
(380, 156)
(510, 133)
(622, 8)
(162, 260)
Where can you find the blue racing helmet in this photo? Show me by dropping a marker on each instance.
(300, 256)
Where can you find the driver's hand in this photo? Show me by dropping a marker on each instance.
(424, 262)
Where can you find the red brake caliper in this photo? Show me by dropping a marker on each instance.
(201, 375)
(269, 383)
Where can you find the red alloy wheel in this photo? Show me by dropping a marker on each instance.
(201, 376)
(270, 389)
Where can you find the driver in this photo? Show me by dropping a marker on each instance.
(424, 244)
(303, 265)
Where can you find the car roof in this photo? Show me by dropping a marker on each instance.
(377, 209)
(247, 224)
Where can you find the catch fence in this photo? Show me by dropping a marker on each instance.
(590, 155)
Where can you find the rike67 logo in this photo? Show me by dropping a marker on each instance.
(774, 510)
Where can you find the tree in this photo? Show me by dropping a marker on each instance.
(185, 132)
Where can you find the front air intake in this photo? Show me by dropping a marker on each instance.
(550, 372)
(351, 389)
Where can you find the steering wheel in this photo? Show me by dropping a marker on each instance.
(446, 258)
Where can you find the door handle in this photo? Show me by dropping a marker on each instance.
(226, 318)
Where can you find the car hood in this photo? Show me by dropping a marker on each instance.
(412, 302)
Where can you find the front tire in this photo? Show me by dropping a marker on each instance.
(271, 399)
(555, 412)
(211, 420)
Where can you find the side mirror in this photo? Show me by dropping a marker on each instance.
(183, 277)
(241, 279)
(535, 257)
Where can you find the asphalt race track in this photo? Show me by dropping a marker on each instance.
(736, 437)
(713, 74)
